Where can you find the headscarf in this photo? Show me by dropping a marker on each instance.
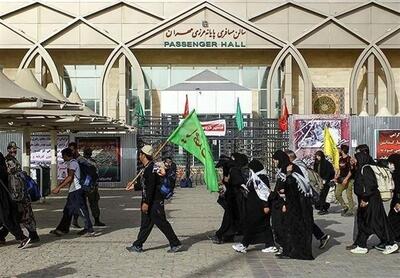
(395, 160)
(363, 159)
(283, 160)
(240, 159)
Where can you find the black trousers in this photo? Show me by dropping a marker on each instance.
(9, 223)
(317, 232)
(93, 197)
(322, 204)
(76, 204)
(156, 216)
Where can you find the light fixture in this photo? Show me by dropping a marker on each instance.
(204, 23)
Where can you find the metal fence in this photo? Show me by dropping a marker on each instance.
(259, 139)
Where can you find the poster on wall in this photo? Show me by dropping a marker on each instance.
(106, 153)
(307, 133)
(41, 152)
(387, 142)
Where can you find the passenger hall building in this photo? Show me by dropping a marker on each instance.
(323, 56)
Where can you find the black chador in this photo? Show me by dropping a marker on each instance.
(371, 217)
(394, 216)
(292, 212)
(257, 228)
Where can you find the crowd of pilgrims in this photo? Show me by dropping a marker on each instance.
(280, 215)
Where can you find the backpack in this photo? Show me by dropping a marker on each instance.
(385, 181)
(166, 189)
(89, 176)
(316, 181)
(31, 187)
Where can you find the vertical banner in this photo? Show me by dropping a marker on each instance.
(307, 133)
(107, 153)
(41, 152)
(387, 142)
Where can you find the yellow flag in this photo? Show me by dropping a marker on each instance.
(330, 148)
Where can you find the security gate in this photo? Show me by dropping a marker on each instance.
(259, 139)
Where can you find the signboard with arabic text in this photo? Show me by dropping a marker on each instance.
(387, 142)
(220, 37)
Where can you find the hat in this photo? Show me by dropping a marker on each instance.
(147, 149)
(12, 144)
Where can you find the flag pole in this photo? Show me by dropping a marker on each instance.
(131, 184)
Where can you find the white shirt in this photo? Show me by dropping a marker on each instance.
(74, 166)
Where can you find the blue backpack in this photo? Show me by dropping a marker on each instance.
(166, 189)
(31, 187)
(89, 176)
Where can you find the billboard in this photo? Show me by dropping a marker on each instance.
(106, 153)
(387, 142)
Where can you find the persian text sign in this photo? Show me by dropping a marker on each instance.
(387, 143)
(205, 38)
(214, 128)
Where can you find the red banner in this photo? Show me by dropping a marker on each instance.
(387, 143)
(214, 128)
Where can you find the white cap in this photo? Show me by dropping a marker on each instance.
(147, 149)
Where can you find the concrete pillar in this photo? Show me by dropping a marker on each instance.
(287, 94)
(122, 88)
(26, 150)
(371, 85)
(38, 68)
(53, 163)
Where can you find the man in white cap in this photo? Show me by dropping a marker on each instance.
(152, 206)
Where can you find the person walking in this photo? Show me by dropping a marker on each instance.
(9, 211)
(21, 197)
(76, 200)
(325, 170)
(257, 227)
(292, 203)
(152, 206)
(344, 182)
(371, 215)
(317, 231)
(394, 212)
(93, 195)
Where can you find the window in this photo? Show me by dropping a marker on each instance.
(84, 79)
(250, 77)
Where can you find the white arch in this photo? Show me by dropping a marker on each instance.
(291, 50)
(373, 49)
(115, 54)
(38, 49)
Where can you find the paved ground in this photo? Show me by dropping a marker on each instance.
(194, 215)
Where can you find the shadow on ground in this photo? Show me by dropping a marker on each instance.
(58, 270)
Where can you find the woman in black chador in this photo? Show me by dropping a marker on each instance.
(326, 171)
(257, 228)
(371, 216)
(292, 212)
(394, 213)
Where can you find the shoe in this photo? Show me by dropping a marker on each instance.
(271, 249)
(239, 248)
(175, 249)
(35, 240)
(359, 250)
(99, 224)
(82, 232)
(282, 256)
(323, 212)
(324, 241)
(216, 240)
(390, 249)
(380, 247)
(24, 243)
(57, 232)
(350, 247)
(89, 234)
(344, 211)
(134, 249)
(349, 213)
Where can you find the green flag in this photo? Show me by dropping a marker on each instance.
(139, 114)
(239, 116)
(190, 136)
